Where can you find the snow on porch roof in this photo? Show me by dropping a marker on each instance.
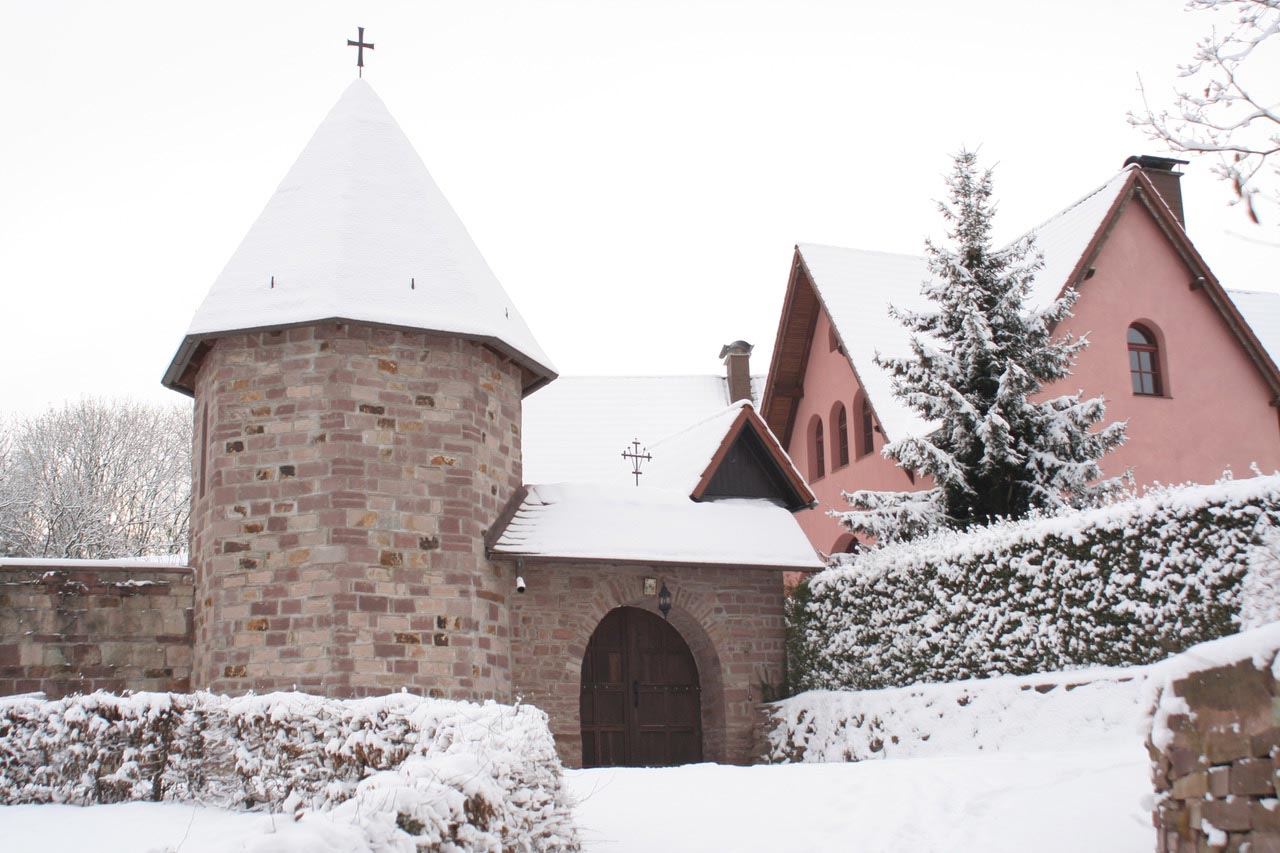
(358, 230)
(857, 287)
(583, 521)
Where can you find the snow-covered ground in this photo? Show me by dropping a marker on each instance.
(1090, 799)
(1093, 799)
(1045, 763)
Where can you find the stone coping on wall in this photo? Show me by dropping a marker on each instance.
(175, 563)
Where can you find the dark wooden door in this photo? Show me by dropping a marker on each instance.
(641, 705)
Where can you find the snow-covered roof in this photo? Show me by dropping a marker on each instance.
(586, 521)
(685, 460)
(680, 460)
(576, 428)
(857, 287)
(1262, 312)
(359, 230)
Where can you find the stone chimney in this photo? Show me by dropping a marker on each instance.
(737, 368)
(1159, 170)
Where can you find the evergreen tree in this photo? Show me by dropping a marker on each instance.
(976, 362)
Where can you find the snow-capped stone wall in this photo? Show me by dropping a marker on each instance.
(75, 626)
(1121, 585)
(1215, 746)
(406, 773)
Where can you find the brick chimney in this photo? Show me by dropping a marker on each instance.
(1159, 171)
(737, 368)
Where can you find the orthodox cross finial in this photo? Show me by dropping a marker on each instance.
(360, 44)
(638, 456)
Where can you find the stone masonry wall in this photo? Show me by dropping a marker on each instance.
(344, 477)
(76, 626)
(730, 617)
(1217, 761)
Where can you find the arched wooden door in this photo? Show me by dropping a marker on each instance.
(641, 704)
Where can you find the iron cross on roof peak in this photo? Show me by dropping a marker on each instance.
(360, 44)
(637, 457)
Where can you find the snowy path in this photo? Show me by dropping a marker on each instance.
(1096, 800)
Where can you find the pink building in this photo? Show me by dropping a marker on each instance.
(1169, 349)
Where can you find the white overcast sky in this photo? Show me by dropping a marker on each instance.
(636, 173)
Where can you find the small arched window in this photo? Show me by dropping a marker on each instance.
(1144, 362)
(817, 449)
(867, 433)
(846, 544)
(841, 419)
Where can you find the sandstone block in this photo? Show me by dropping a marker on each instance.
(1233, 815)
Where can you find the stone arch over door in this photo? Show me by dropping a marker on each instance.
(689, 614)
(640, 702)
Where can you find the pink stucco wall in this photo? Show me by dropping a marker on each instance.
(829, 378)
(1215, 412)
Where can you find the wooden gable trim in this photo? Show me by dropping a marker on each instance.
(844, 350)
(747, 418)
(785, 384)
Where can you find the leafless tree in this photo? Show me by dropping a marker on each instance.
(1229, 104)
(96, 479)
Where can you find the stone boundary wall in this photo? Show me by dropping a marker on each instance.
(1215, 749)
(75, 626)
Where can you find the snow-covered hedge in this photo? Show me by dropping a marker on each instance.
(1125, 584)
(411, 774)
(1031, 713)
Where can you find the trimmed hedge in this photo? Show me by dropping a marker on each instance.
(407, 772)
(1125, 584)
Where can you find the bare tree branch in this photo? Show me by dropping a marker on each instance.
(1229, 106)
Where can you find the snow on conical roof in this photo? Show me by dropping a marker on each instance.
(355, 221)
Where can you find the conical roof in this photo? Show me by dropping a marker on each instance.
(358, 230)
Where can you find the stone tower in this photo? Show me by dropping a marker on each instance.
(357, 372)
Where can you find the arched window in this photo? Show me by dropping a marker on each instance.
(867, 432)
(846, 544)
(841, 419)
(1144, 362)
(817, 450)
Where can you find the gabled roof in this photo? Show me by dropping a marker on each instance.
(696, 503)
(576, 427)
(856, 287)
(585, 522)
(694, 461)
(358, 230)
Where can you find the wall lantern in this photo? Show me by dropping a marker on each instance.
(664, 600)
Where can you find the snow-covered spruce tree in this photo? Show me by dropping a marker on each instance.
(977, 360)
